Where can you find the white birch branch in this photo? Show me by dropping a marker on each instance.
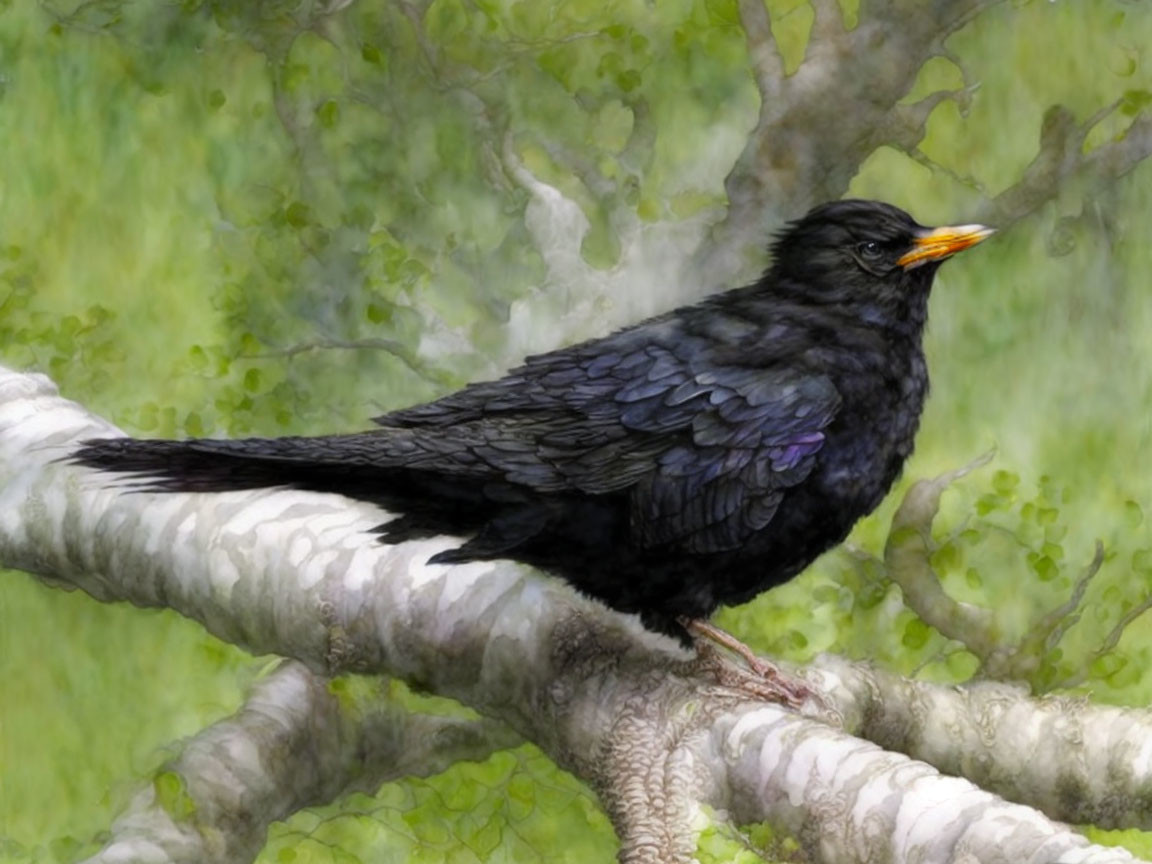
(1075, 761)
(847, 799)
(291, 745)
(657, 735)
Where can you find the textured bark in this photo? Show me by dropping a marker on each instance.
(849, 800)
(1075, 761)
(819, 123)
(293, 743)
(848, 87)
(656, 733)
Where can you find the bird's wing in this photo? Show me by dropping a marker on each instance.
(705, 450)
(758, 436)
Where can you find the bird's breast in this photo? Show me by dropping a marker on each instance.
(873, 433)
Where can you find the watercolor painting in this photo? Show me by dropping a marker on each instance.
(662, 547)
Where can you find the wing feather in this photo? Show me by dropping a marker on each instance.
(704, 451)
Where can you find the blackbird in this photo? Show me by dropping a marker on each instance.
(695, 459)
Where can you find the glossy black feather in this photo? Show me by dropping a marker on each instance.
(695, 459)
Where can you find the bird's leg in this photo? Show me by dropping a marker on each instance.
(766, 680)
(703, 629)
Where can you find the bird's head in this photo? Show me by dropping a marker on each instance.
(866, 252)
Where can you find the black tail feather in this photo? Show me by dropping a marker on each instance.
(428, 504)
(182, 466)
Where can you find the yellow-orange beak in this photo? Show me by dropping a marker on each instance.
(940, 243)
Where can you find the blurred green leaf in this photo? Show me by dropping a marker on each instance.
(298, 214)
(1142, 561)
(1005, 482)
(947, 558)
(1135, 101)
(328, 113)
(1108, 664)
(1133, 514)
(916, 634)
(972, 577)
(1045, 568)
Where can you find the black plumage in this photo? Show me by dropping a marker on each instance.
(695, 459)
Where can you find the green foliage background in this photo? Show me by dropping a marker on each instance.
(197, 197)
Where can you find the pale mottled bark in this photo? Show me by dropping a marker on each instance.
(847, 799)
(819, 123)
(292, 744)
(1075, 761)
(657, 734)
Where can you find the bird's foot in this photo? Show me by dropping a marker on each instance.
(762, 678)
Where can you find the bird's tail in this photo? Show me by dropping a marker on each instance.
(213, 465)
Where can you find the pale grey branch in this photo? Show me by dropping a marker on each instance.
(1075, 761)
(292, 744)
(659, 736)
(767, 65)
(849, 800)
(907, 558)
(1061, 159)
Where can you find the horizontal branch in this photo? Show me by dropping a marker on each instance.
(853, 801)
(656, 733)
(389, 346)
(1075, 761)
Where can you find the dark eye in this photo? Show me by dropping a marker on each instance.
(869, 250)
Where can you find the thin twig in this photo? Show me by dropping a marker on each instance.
(767, 64)
(1056, 623)
(1110, 641)
(390, 346)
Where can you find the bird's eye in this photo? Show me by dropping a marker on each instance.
(870, 250)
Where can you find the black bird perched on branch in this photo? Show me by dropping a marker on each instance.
(695, 459)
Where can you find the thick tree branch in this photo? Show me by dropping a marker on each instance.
(293, 744)
(847, 799)
(848, 88)
(658, 736)
(1075, 761)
